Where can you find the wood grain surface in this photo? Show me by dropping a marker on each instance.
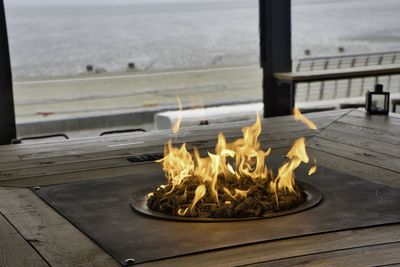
(348, 140)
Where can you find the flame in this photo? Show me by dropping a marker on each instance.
(300, 117)
(229, 175)
(313, 169)
(177, 125)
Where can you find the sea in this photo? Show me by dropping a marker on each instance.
(61, 40)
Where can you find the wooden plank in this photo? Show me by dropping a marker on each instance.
(355, 153)
(51, 167)
(103, 153)
(394, 115)
(192, 136)
(372, 124)
(286, 248)
(356, 168)
(374, 255)
(123, 168)
(391, 119)
(336, 74)
(9, 158)
(137, 141)
(74, 176)
(321, 119)
(14, 250)
(60, 243)
(360, 138)
(63, 157)
(364, 132)
(389, 124)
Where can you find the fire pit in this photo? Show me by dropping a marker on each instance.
(102, 209)
(234, 183)
(312, 198)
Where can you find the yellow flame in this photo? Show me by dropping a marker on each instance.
(300, 117)
(199, 194)
(214, 173)
(177, 125)
(286, 176)
(182, 212)
(313, 169)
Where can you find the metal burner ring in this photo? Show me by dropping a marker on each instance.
(313, 198)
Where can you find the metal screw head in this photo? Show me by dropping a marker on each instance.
(36, 188)
(130, 261)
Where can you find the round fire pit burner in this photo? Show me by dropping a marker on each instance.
(314, 196)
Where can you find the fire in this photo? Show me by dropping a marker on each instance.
(298, 116)
(177, 125)
(313, 169)
(233, 181)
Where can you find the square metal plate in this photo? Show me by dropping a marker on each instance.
(102, 210)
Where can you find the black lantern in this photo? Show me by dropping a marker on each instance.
(377, 102)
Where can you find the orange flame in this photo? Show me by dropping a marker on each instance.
(211, 177)
(300, 117)
(177, 125)
(313, 169)
(311, 125)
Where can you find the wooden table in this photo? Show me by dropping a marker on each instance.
(33, 234)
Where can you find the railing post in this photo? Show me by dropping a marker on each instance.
(275, 56)
(7, 114)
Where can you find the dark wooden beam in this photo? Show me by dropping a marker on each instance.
(7, 114)
(275, 55)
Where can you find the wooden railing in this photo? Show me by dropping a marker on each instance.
(335, 76)
(346, 61)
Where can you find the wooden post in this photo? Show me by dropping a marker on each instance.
(7, 114)
(275, 56)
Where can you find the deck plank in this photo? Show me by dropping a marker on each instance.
(134, 149)
(378, 135)
(292, 247)
(387, 124)
(350, 141)
(392, 119)
(373, 255)
(74, 176)
(199, 133)
(60, 243)
(57, 150)
(37, 164)
(279, 147)
(356, 168)
(356, 139)
(100, 163)
(14, 250)
(356, 153)
(9, 159)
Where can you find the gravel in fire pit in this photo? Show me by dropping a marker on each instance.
(257, 202)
